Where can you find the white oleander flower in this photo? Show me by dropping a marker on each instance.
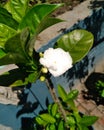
(57, 61)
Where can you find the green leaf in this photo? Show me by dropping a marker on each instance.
(6, 19)
(15, 49)
(50, 108)
(102, 93)
(37, 16)
(77, 43)
(48, 118)
(88, 120)
(54, 109)
(72, 94)
(62, 93)
(61, 125)
(17, 8)
(40, 121)
(5, 33)
(32, 77)
(47, 22)
(52, 127)
(12, 58)
(70, 120)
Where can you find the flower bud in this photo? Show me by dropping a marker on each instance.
(44, 70)
(42, 78)
(41, 54)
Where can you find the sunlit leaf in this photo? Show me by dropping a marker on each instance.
(17, 8)
(40, 121)
(6, 19)
(48, 118)
(5, 33)
(77, 43)
(62, 93)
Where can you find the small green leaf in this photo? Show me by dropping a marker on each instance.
(70, 120)
(32, 77)
(61, 125)
(40, 121)
(50, 108)
(54, 109)
(52, 127)
(48, 118)
(77, 43)
(72, 94)
(62, 93)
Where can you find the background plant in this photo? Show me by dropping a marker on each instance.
(100, 87)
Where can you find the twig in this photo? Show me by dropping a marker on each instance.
(54, 97)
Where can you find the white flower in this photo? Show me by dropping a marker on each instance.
(57, 61)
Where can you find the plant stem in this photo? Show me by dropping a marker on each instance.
(52, 91)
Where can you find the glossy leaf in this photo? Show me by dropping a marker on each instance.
(37, 17)
(17, 8)
(62, 93)
(48, 118)
(6, 19)
(5, 33)
(77, 43)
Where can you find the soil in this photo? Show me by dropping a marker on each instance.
(94, 93)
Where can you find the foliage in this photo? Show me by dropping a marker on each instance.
(74, 119)
(100, 88)
(21, 24)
